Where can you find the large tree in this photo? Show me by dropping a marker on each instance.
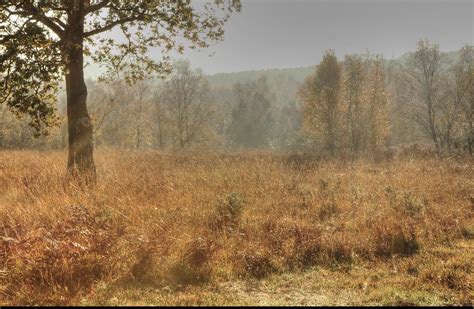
(43, 40)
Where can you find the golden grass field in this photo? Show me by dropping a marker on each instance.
(236, 229)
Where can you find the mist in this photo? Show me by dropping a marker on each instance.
(236, 152)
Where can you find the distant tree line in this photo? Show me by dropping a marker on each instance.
(359, 105)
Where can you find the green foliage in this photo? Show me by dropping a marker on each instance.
(29, 72)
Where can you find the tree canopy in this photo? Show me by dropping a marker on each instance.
(34, 35)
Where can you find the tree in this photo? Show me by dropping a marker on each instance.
(464, 77)
(403, 130)
(160, 118)
(102, 100)
(288, 121)
(142, 107)
(252, 117)
(377, 117)
(424, 77)
(450, 108)
(186, 95)
(354, 78)
(43, 40)
(112, 107)
(365, 103)
(320, 97)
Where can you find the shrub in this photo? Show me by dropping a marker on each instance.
(468, 232)
(193, 266)
(198, 252)
(183, 274)
(327, 210)
(395, 239)
(257, 263)
(406, 202)
(63, 259)
(227, 213)
(298, 245)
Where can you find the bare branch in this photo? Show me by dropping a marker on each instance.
(109, 26)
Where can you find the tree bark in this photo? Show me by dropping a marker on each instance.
(80, 131)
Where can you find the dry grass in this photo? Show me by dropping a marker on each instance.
(189, 223)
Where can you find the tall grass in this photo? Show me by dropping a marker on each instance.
(187, 219)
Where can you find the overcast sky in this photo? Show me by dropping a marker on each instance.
(295, 33)
(292, 33)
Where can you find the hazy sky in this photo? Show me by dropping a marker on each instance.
(295, 33)
(292, 33)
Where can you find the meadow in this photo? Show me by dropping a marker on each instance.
(236, 229)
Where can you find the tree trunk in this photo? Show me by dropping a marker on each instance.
(432, 121)
(80, 157)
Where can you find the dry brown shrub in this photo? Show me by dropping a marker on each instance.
(297, 245)
(68, 256)
(256, 262)
(227, 213)
(395, 238)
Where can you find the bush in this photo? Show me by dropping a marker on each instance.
(406, 202)
(193, 266)
(257, 263)
(327, 210)
(227, 213)
(395, 239)
(183, 274)
(59, 261)
(198, 252)
(297, 245)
